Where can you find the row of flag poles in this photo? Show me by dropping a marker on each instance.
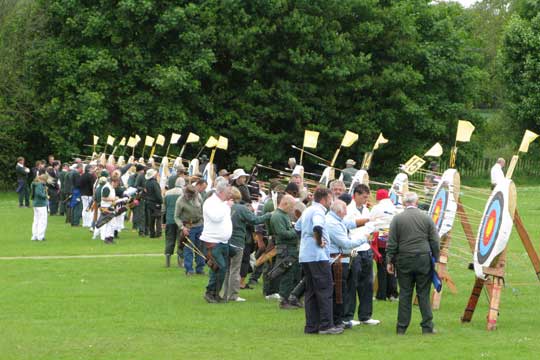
(311, 137)
(149, 141)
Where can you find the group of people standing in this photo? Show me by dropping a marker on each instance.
(318, 246)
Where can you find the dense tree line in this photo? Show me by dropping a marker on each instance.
(258, 72)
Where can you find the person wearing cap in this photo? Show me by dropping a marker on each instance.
(22, 182)
(239, 179)
(188, 216)
(349, 171)
(39, 202)
(172, 234)
(154, 200)
(224, 174)
(381, 215)
(413, 241)
(139, 212)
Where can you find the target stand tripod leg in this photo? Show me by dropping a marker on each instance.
(466, 225)
(443, 273)
(527, 243)
(497, 273)
(494, 302)
(473, 300)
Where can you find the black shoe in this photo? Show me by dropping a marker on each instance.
(116, 234)
(293, 300)
(284, 305)
(210, 298)
(331, 331)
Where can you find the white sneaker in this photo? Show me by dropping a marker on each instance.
(355, 322)
(371, 322)
(239, 299)
(393, 298)
(273, 297)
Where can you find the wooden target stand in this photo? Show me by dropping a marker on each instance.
(495, 274)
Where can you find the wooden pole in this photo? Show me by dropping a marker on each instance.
(473, 300)
(498, 282)
(467, 229)
(527, 243)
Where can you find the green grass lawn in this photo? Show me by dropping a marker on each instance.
(134, 308)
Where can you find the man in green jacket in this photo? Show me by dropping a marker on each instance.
(286, 240)
(413, 239)
(241, 217)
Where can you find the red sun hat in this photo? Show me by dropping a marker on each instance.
(381, 194)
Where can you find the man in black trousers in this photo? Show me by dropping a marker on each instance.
(413, 240)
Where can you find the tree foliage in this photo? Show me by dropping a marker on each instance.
(258, 72)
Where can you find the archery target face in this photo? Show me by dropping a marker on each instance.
(399, 186)
(438, 206)
(495, 227)
(490, 227)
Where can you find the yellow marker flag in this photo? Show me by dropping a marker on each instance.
(160, 140)
(148, 141)
(110, 140)
(310, 139)
(464, 131)
(528, 138)
(223, 143)
(192, 138)
(132, 142)
(380, 140)
(349, 138)
(212, 142)
(174, 138)
(435, 151)
(96, 138)
(122, 142)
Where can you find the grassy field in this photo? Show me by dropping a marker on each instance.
(134, 308)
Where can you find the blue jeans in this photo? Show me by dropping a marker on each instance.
(220, 254)
(195, 236)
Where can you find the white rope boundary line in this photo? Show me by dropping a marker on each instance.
(67, 257)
